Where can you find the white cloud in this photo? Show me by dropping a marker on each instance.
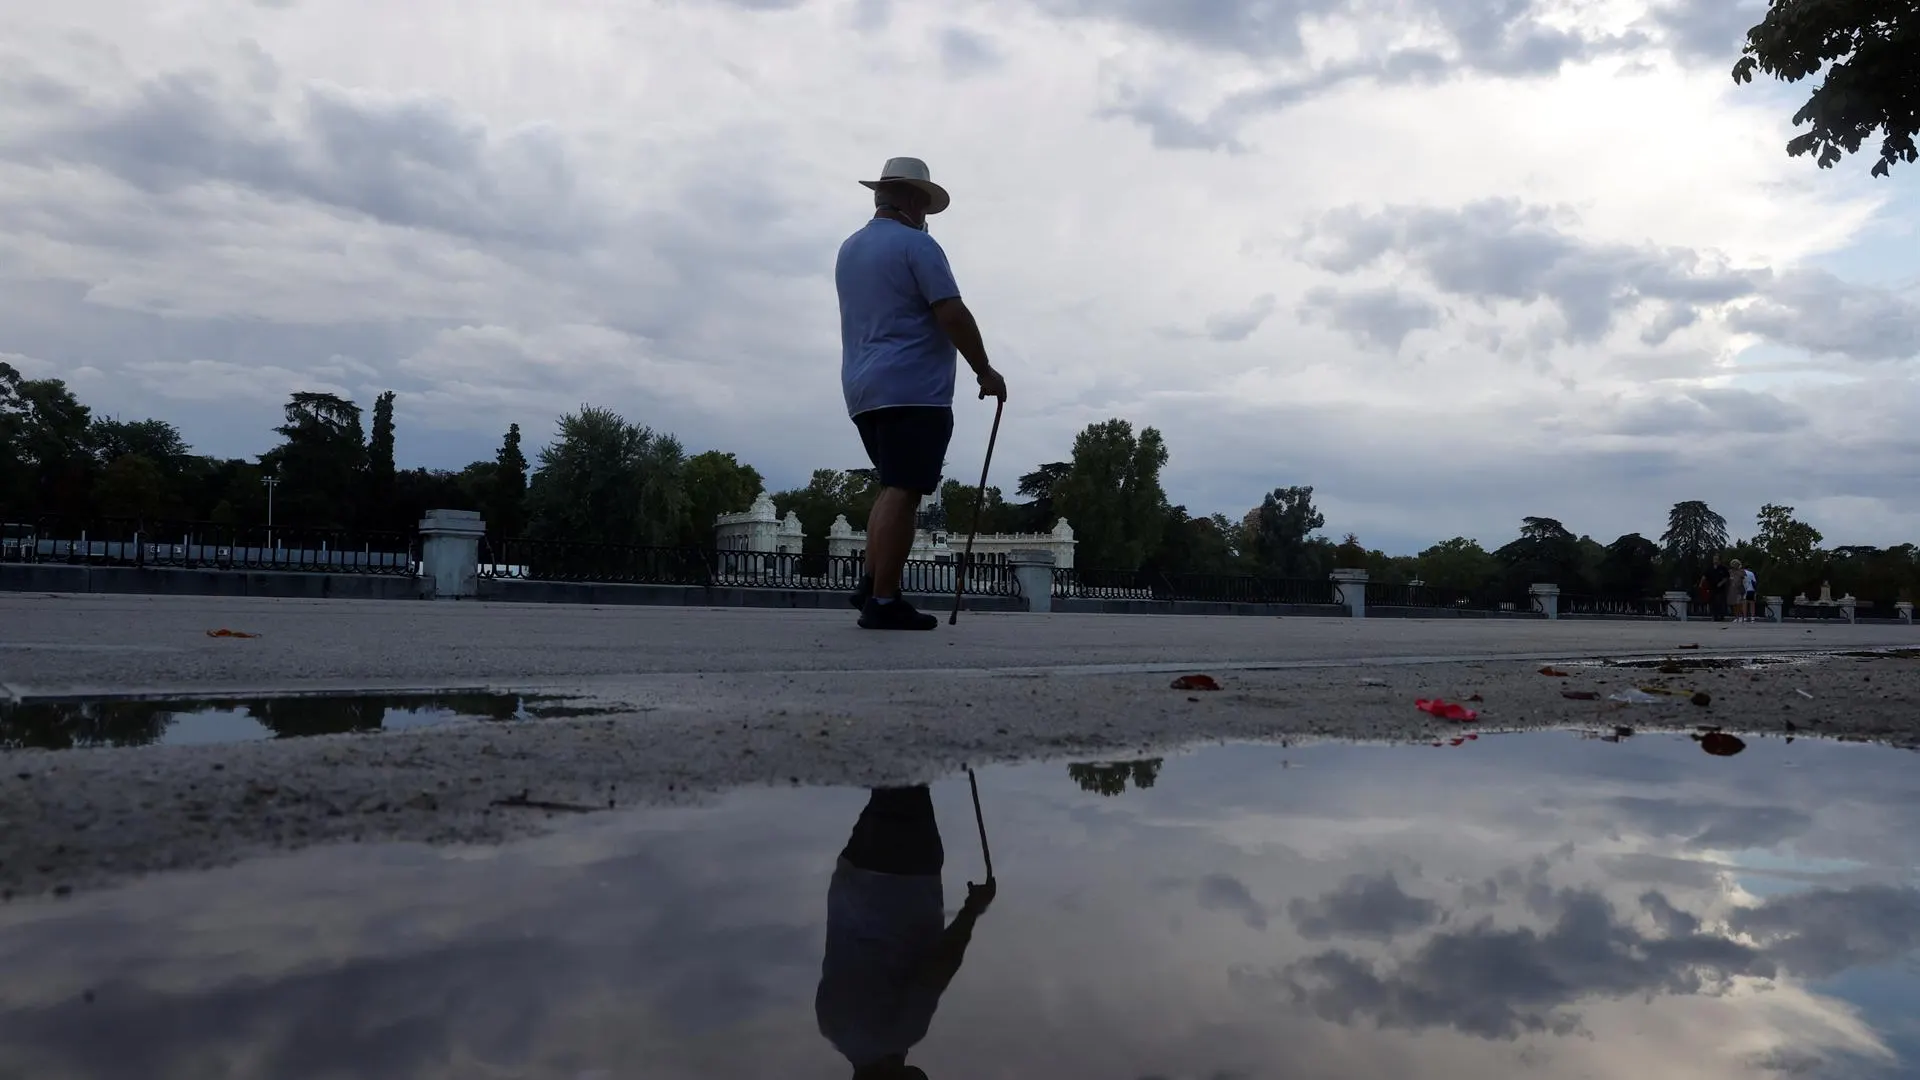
(503, 212)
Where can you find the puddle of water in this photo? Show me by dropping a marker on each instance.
(62, 725)
(1536, 905)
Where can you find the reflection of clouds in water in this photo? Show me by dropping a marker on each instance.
(1450, 937)
(1500, 982)
(1364, 906)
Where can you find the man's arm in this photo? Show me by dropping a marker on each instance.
(942, 962)
(957, 322)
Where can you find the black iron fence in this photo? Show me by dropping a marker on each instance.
(526, 559)
(1638, 607)
(1080, 584)
(203, 545)
(1409, 595)
(519, 558)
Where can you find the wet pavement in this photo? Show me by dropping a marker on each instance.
(1536, 904)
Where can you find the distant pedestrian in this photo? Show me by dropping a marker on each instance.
(1753, 587)
(901, 322)
(1736, 590)
(1718, 576)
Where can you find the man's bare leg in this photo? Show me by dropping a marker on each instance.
(890, 539)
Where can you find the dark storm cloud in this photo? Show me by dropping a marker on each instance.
(1707, 29)
(1224, 892)
(1822, 932)
(1364, 906)
(1257, 28)
(964, 52)
(1710, 410)
(1379, 317)
(413, 162)
(1506, 38)
(1502, 249)
(1502, 983)
(1230, 326)
(1813, 310)
(1719, 825)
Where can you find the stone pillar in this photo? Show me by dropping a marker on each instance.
(1677, 601)
(1033, 570)
(1546, 599)
(1904, 609)
(450, 553)
(1847, 605)
(1350, 588)
(1776, 608)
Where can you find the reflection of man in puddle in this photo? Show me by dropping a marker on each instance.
(889, 953)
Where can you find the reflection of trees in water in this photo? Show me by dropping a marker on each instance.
(64, 725)
(1110, 778)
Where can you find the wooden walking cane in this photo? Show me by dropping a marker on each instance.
(979, 501)
(981, 822)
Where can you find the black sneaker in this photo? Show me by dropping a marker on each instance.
(859, 598)
(898, 615)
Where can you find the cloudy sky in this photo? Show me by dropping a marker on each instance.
(1449, 261)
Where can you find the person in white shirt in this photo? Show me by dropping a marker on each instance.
(890, 954)
(1753, 586)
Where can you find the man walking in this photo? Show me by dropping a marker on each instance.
(901, 322)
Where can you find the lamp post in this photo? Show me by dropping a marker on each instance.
(271, 483)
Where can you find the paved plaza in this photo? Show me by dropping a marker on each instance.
(113, 645)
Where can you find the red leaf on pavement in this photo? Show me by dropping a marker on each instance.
(1195, 682)
(1445, 710)
(1555, 672)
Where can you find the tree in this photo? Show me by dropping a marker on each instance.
(1459, 564)
(1791, 549)
(1546, 552)
(1111, 778)
(1038, 486)
(604, 480)
(1351, 553)
(379, 489)
(1281, 527)
(717, 483)
(1868, 48)
(321, 462)
(504, 502)
(44, 456)
(132, 486)
(1111, 495)
(156, 440)
(1695, 534)
(956, 501)
(829, 493)
(1190, 545)
(1630, 567)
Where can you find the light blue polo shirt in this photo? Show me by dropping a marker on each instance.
(892, 351)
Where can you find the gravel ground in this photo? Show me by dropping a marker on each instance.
(85, 818)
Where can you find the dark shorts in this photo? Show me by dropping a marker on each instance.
(897, 834)
(907, 444)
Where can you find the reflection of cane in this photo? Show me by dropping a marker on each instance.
(981, 822)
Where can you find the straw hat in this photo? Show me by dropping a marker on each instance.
(912, 171)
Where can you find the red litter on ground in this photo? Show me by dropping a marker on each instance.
(1195, 682)
(1445, 710)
